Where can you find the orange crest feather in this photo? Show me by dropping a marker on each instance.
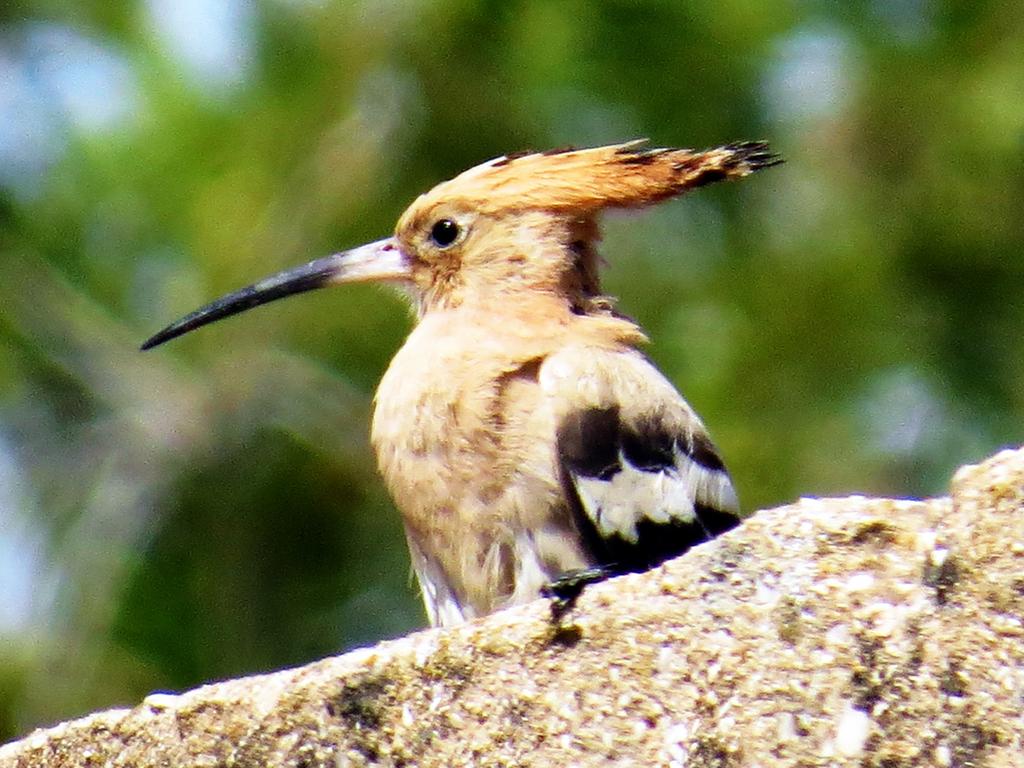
(587, 180)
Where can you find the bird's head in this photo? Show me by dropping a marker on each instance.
(524, 222)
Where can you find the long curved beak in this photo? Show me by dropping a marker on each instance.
(378, 261)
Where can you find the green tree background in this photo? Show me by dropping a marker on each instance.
(849, 322)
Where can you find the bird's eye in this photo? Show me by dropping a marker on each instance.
(444, 232)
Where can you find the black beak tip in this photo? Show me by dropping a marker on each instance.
(171, 332)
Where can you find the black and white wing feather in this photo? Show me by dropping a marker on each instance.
(640, 472)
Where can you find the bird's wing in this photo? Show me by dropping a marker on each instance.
(639, 470)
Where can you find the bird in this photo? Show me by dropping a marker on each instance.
(522, 432)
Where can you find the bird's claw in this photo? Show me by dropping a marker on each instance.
(566, 588)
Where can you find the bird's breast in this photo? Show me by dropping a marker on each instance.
(457, 415)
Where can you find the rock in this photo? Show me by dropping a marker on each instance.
(855, 631)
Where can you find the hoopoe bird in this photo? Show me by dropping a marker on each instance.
(521, 432)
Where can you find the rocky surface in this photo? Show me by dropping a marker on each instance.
(837, 632)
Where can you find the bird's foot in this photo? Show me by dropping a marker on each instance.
(566, 588)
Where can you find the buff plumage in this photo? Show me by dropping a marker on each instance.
(520, 430)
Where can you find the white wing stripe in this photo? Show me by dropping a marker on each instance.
(632, 495)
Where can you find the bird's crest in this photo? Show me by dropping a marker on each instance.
(586, 180)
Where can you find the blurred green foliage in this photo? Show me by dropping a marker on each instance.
(849, 322)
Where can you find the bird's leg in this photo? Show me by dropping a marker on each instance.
(566, 588)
